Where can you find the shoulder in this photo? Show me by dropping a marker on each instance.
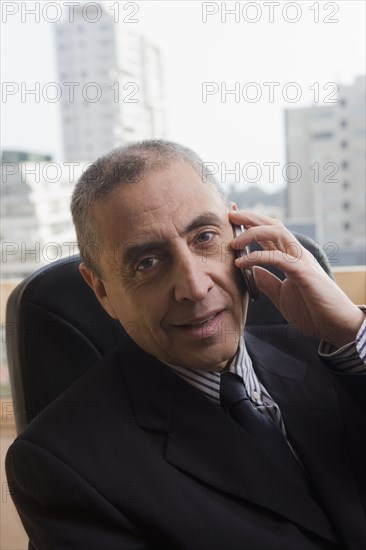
(91, 404)
(285, 338)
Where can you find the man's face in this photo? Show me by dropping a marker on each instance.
(168, 271)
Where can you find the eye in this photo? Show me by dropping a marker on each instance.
(146, 263)
(206, 236)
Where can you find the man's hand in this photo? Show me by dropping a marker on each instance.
(307, 297)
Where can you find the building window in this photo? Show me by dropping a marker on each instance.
(344, 144)
(343, 102)
(346, 184)
(343, 123)
(346, 226)
(345, 205)
(318, 113)
(322, 135)
(344, 165)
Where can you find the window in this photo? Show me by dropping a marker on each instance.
(322, 135)
(343, 102)
(343, 123)
(344, 165)
(319, 113)
(346, 184)
(344, 144)
(345, 205)
(346, 226)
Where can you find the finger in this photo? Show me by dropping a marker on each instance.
(270, 238)
(290, 265)
(250, 218)
(248, 237)
(269, 284)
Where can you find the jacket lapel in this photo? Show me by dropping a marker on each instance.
(205, 443)
(306, 394)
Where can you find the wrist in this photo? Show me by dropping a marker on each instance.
(349, 332)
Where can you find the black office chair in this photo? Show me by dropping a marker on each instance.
(56, 330)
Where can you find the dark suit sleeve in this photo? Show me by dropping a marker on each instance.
(61, 510)
(354, 385)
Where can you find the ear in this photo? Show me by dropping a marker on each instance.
(97, 285)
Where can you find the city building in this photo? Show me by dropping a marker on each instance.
(22, 156)
(327, 146)
(111, 83)
(36, 224)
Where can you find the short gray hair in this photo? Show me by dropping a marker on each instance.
(127, 164)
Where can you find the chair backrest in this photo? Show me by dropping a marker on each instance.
(57, 330)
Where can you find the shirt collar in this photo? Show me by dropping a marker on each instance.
(209, 382)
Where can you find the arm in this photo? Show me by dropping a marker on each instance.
(61, 510)
(348, 365)
(351, 358)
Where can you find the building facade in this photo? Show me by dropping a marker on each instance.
(36, 224)
(111, 81)
(22, 156)
(328, 143)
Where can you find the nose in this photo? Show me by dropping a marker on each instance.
(191, 280)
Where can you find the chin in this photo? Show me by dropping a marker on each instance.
(214, 360)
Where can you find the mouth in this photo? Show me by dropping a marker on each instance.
(204, 326)
(200, 320)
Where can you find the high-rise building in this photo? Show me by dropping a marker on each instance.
(36, 225)
(327, 145)
(111, 83)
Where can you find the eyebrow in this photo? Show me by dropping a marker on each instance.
(134, 250)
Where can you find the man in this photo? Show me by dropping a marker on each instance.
(167, 462)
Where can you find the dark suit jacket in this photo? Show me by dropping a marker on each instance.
(132, 457)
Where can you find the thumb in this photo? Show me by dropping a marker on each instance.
(268, 283)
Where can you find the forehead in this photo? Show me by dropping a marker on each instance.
(161, 202)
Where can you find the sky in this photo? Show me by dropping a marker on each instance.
(279, 55)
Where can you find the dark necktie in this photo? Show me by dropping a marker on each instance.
(235, 402)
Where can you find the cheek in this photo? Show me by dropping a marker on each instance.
(154, 312)
(144, 315)
(236, 287)
(240, 284)
(233, 276)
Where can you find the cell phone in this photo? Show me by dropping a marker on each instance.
(248, 273)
